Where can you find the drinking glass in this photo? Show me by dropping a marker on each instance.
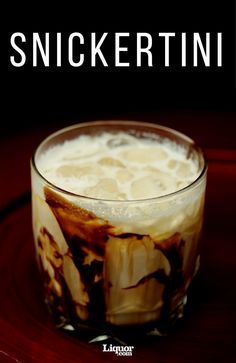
(117, 267)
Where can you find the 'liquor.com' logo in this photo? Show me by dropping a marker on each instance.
(119, 349)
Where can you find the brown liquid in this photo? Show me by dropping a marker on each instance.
(87, 237)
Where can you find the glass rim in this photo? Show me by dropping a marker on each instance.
(81, 125)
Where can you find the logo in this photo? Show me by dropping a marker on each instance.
(119, 349)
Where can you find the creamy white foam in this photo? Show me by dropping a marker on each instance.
(118, 166)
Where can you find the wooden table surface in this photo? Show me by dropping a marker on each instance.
(207, 332)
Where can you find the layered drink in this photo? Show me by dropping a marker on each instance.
(117, 217)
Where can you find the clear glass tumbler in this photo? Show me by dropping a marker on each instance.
(117, 267)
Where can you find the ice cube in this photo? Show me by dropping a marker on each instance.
(134, 294)
(152, 185)
(106, 188)
(119, 141)
(80, 153)
(77, 171)
(144, 155)
(124, 176)
(183, 170)
(43, 216)
(172, 164)
(122, 196)
(182, 184)
(76, 287)
(143, 188)
(108, 161)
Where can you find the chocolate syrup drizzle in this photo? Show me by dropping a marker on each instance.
(83, 232)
